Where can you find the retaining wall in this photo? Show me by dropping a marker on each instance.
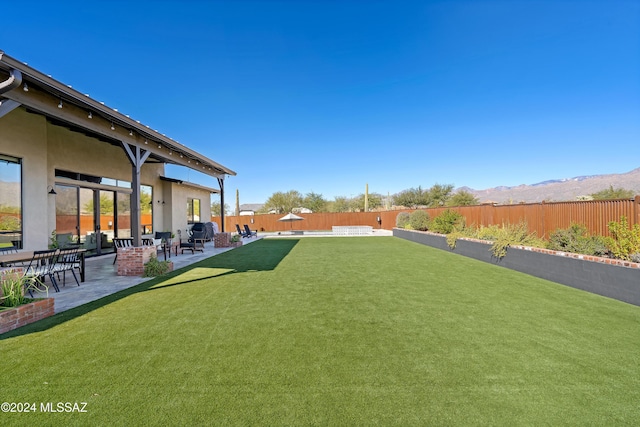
(610, 278)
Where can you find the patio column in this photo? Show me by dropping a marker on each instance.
(137, 156)
(221, 184)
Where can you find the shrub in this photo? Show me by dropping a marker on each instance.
(14, 285)
(447, 222)
(624, 242)
(576, 239)
(510, 235)
(419, 220)
(155, 267)
(402, 220)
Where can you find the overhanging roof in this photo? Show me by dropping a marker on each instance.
(189, 184)
(81, 112)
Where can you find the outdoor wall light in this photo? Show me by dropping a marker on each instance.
(25, 88)
(112, 126)
(145, 141)
(159, 145)
(90, 115)
(60, 104)
(130, 132)
(51, 191)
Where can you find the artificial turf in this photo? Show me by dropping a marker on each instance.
(333, 331)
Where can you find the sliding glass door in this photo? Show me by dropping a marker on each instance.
(91, 218)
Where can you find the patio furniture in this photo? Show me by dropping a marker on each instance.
(240, 232)
(7, 250)
(42, 264)
(121, 243)
(165, 242)
(190, 244)
(128, 243)
(68, 260)
(250, 233)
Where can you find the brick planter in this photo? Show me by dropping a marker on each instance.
(13, 318)
(222, 240)
(131, 261)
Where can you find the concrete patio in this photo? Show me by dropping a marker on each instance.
(102, 280)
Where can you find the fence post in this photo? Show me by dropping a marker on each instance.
(636, 210)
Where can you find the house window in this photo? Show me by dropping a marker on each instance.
(10, 201)
(146, 208)
(193, 210)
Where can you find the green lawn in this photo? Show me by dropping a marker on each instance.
(333, 331)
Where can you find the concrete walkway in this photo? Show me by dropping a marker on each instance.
(102, 280)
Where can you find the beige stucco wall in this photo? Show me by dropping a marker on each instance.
(24, 135)
(44, 147)
(178, 194)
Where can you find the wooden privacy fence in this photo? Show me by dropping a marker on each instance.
(541, 218)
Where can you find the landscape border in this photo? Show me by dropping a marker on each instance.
(615, 279)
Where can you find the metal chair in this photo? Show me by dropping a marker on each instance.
(41, 265)
(68, 260)
(121, 243)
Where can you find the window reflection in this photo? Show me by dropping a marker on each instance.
(10, 201)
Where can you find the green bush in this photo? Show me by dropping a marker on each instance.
(419, 220)
(155, 267)
(447, 222)
(624, 242)
(517, 234)
(402, 220)
(576, 239)
(14, 285)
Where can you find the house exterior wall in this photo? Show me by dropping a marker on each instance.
(24, 135)
(179, 193)
(45, 147)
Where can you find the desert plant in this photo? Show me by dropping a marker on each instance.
(576, 239)
(447, 222)
(14, 285)
(402, 219)
(624, 241)
(419, 220)
(155, 267)
(514, 234)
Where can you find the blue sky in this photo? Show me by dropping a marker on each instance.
(327, 96)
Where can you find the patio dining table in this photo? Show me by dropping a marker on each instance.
(25, 256)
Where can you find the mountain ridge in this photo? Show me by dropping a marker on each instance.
(556, 190)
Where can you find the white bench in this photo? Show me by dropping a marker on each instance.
(352, 230)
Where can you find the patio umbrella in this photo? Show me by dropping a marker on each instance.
(290, 217)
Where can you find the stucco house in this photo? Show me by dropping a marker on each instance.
(74, 166)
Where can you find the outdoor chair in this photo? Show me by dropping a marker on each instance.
(68, 260)
(250, 233)
(41, 265)
(188, 245)
(121, 243)
(164, 237)
(240, 232)
(197, 238)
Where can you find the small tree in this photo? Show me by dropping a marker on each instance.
(462, 198)
(613, 193)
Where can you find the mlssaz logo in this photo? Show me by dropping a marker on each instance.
(63, 407)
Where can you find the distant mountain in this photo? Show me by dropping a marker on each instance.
(556, 190)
